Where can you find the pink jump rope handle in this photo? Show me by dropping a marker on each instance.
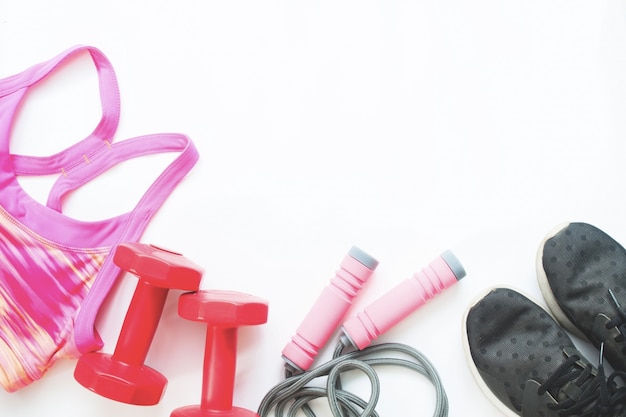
(329, 309)
(402, 300)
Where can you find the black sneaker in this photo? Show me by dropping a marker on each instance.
(582, 275)
(528, 366)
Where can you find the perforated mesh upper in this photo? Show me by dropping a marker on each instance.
(512, 340)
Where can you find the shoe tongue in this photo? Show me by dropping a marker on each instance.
(611, 336)
(569, 391)
(535, 404)
(574, 388)
(570, 351)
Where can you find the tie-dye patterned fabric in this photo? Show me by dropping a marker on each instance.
(37, 319)
(55, 270)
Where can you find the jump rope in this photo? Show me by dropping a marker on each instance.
(354, 350)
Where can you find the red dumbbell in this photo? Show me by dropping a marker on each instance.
(123, 376)
(224, 312)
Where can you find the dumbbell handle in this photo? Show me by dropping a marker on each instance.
(158, 270)
(220, 358)
(140, 324)
(223, 312)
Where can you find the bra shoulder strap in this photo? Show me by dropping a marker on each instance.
(104, 131)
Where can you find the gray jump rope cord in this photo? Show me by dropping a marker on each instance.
(293, 395)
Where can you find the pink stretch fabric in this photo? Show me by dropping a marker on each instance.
(55, 270)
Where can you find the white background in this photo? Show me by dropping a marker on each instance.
(403, 127)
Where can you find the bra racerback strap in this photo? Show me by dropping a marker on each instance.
(118, 152)
(85, 336)
(104, 131)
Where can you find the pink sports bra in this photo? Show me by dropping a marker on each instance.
(55, 270)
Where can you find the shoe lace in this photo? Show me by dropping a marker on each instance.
(599, 396)
(618, 321)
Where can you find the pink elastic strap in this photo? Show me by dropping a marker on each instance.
(85, 336)
(109, 98)
(117, 153)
